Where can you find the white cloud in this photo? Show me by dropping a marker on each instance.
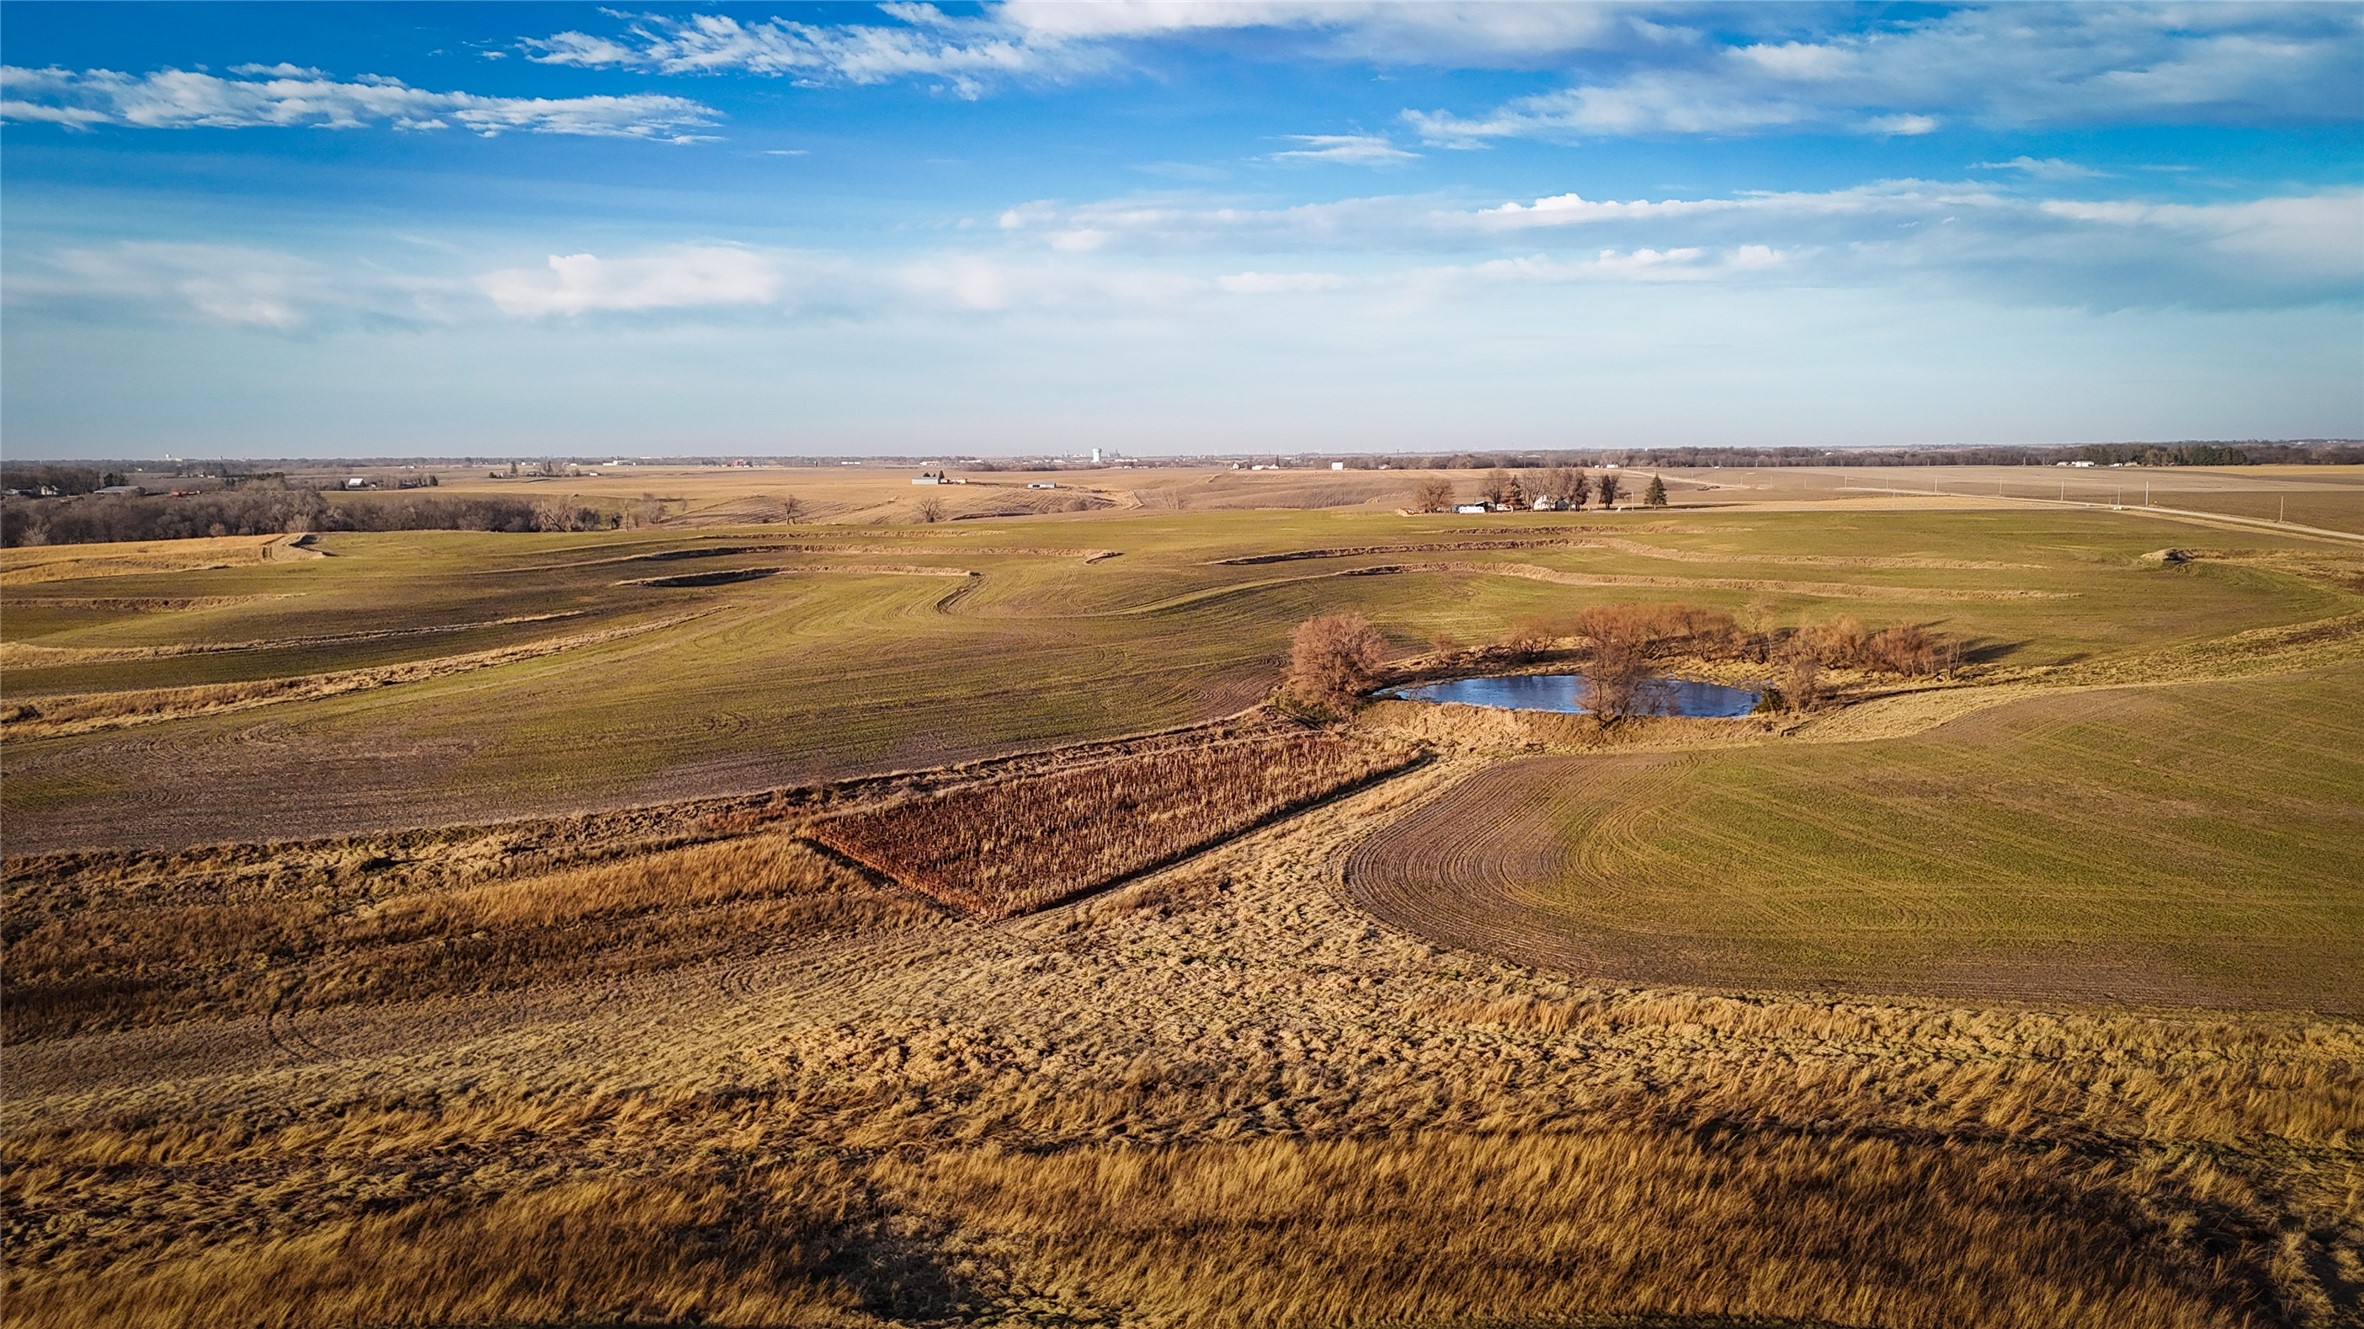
(2267, 252)
(289, 96)
(2298, 242)
(967, 55)
(695, 277)
(2004, 66)
(1480, 33)
(2044, 168)
(1170, 256)
(1903, 125)
(1345, 149)
(1644, 104)
(1279, 283)
(236, 286)
(1635, 68)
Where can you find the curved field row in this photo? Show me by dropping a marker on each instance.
(139, 604)
(2197, 845)
(1636, 548)
(71, 714)
(33, 655)
(1830, 590)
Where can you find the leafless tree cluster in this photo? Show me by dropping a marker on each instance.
(1906, 648)
(1333, 659)
(1567, 486)
(1434, 494)
(1501, 486)
(272, 510)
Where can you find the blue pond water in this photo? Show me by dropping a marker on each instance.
(1565, 692)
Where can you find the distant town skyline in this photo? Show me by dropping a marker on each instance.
(1033, 228)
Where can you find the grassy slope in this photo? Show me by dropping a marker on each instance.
(1040, 648)
(2200, 843)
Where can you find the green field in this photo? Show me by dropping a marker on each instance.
(2193, 844)
(845, 662)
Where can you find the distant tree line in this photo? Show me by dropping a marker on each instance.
(1567, 487)
(2147, 454)
(274, 509)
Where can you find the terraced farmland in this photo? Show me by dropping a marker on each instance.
(745, 684)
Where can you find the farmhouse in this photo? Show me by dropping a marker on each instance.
(1470, 509)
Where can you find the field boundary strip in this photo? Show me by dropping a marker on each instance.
(1636, 548)
(29, 655)
(56, 716)
(1820, 589)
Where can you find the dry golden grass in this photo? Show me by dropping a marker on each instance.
(741, 1250)
(33, 564)
(77, 965)
(1432, 1228)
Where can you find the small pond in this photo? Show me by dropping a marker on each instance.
(1565, 692)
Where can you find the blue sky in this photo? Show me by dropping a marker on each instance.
(287, 229)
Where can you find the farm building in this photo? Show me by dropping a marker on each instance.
(1472, 509)
(928, 478)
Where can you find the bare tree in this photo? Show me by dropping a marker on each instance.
(1615, 678)
(649, 511)
(787, 508)
(1499, 486)
(1333, 659)
(931, 509)
(1801, 683)
(1530, 638)
(1434, 494)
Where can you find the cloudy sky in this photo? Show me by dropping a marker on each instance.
(1160, 226)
